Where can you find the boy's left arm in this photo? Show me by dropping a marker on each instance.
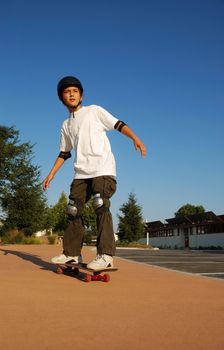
(137, 142)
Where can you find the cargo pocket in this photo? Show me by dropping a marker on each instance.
(110, 185)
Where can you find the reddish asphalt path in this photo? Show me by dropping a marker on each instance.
(142, 307)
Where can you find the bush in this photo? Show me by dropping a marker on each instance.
(13, 237)
(88, 238)
(52, 239)
(31, 240)
(18, 237)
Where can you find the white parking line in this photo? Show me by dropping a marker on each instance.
(185, 262)
(210, 273)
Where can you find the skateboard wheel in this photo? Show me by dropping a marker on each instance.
(59, 270)
(76, 271)
(87, 278)
(106, 278)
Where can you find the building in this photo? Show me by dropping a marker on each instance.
(205, 230)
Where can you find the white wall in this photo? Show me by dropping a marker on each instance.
(40, 233)
(195, 241)
(165, 242)
(207, 240)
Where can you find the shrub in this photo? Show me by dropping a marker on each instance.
(31, 240)
(13, 236)
(52, 239)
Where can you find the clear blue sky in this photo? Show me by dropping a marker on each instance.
(157, 65)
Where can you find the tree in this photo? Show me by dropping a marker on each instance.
(10, 151)
(21, 197)
(89, 221)
(189, 209)
(58, 214)
(89, 217)
(56, 217)
(130, 226)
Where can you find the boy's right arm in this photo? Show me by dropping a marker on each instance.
(58, 163)
(137, 142)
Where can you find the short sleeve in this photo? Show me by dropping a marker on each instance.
(65, 141)
(107, 119)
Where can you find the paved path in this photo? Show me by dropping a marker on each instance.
(204, 263)
(143, 307)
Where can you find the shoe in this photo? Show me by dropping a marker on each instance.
(101, 262)
(63, 259)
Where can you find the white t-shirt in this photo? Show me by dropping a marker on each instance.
(85, 132)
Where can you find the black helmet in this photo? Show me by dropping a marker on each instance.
(66, 82)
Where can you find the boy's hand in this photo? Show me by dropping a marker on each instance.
(46, 182)
(58, 163)
(139, 145)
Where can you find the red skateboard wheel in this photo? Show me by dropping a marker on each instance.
(59, 270)
(87, 277)
(106, 278)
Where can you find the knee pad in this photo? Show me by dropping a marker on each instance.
(72, 208)
(97, 201)
(100, 204)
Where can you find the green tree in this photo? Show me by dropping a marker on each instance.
(189, 209)
(89, 221)
(130, 226)
(21, 197)
(89, 217)
(10, 152)
(57, 216)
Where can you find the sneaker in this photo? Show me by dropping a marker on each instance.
(63, 259)
(101, 262)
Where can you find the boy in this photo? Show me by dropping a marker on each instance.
(95, 172)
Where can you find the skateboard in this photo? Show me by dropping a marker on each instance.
(90, 275)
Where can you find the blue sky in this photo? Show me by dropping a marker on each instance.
(157, 65)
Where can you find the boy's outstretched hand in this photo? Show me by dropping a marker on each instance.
(58, 163)
(46, 182)
(139, 145)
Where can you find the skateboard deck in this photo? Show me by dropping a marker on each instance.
(90, 275)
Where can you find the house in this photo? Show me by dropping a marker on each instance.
(205, 230)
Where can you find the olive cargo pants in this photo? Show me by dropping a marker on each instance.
(80, 192)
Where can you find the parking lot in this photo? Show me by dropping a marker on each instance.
(204, 263)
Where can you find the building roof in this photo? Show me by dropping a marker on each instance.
(155, 224)
(195, 219)
(207, 217)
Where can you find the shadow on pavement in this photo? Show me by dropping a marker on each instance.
(32, 258)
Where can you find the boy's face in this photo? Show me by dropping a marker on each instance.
(71, 97)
